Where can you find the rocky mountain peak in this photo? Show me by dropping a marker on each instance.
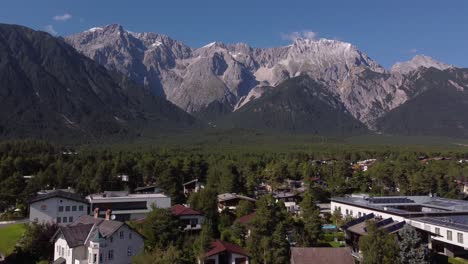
(417, 62)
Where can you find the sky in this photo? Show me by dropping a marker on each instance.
(388, 31)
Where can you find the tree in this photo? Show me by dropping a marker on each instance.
(412, 248)
(378, 247)
(160, 256)
(35, 244)
(203, 241)
(161, 228)
(244, 208)
(312, 225)
(270, 218)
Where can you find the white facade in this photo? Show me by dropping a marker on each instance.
(129, 206)
(356, 211)
(232, 259)
(121, 247)
(56, 210)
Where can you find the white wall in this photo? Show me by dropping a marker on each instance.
(354, 211)
(48, 210)
(443, 233)
(60, 247)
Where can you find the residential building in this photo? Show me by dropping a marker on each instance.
(321, 255)
(148, 189)
(291, 201)
(96, 240)
(127, 206)
(221, 252)
(444, 221)
(193, 186)
(230, 201)
(189, 218)
(246, 220)
(57, 206)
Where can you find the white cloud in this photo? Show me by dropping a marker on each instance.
(305, 34)
(63, 17)
(413, 50)
(50, 29)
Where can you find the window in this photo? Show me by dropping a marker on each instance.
(59, 220)
(67, 208)
(60, 208)
(449, 235)
(111, 254)
(460, 237)
(437, 231)
(63, 252)
(70, 219)
(359, 214)
(351, 213)
(64, 219)
(121, 234)
(347, 212)
(100, 257)
(129, 235)
(74, 208)
(111, 239)
(94, 258)
(129, 251)
(80, 208)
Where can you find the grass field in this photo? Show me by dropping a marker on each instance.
(9, 236)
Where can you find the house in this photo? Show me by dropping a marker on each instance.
(96, 240)
(442, 221)
(57, 206)
(189, 218)
(291, 201)
(245, 221)
(221, 252)
(364, 165)
(126, 206)
(357, 228)
(193, 186)
(321, 255)
(230, 201)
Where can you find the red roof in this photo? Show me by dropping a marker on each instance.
(219, 246)
(179, 210)
(246, 218)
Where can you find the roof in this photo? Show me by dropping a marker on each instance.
(322, 255)
(179, 210)
(76, 235)
(396, 204)
(457, 222)
(359, 226)
(246, 218)
(121, 195)
(191, 181)
(285, 195)
(231, 196)
(148, 188)
(106, 227)
(59, 261)
(219, 246)
(59, 194)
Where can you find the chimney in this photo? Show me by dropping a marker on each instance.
(108, 214)
(96, 213)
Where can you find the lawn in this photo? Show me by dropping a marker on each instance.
(9, 236)
(457, 261)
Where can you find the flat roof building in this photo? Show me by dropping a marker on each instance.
(127, 206)
(445, 221)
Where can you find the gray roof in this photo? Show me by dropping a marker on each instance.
(231, 196)
(87, 226)
(61, 194)
(59, 261)
(457, 222)
(321, 255)
(76, 235)
(433, 205)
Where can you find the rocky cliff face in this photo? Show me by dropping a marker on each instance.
(231, 76)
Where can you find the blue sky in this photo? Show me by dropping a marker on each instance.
(388, 31)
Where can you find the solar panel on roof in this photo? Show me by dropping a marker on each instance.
(358, 220)
(395, 227)
(389, 200)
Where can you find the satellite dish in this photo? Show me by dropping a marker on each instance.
(112, 217)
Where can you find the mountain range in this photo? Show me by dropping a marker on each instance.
(140, 80)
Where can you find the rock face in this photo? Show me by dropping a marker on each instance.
(225, 78)
(417, 62)
(49, 90)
